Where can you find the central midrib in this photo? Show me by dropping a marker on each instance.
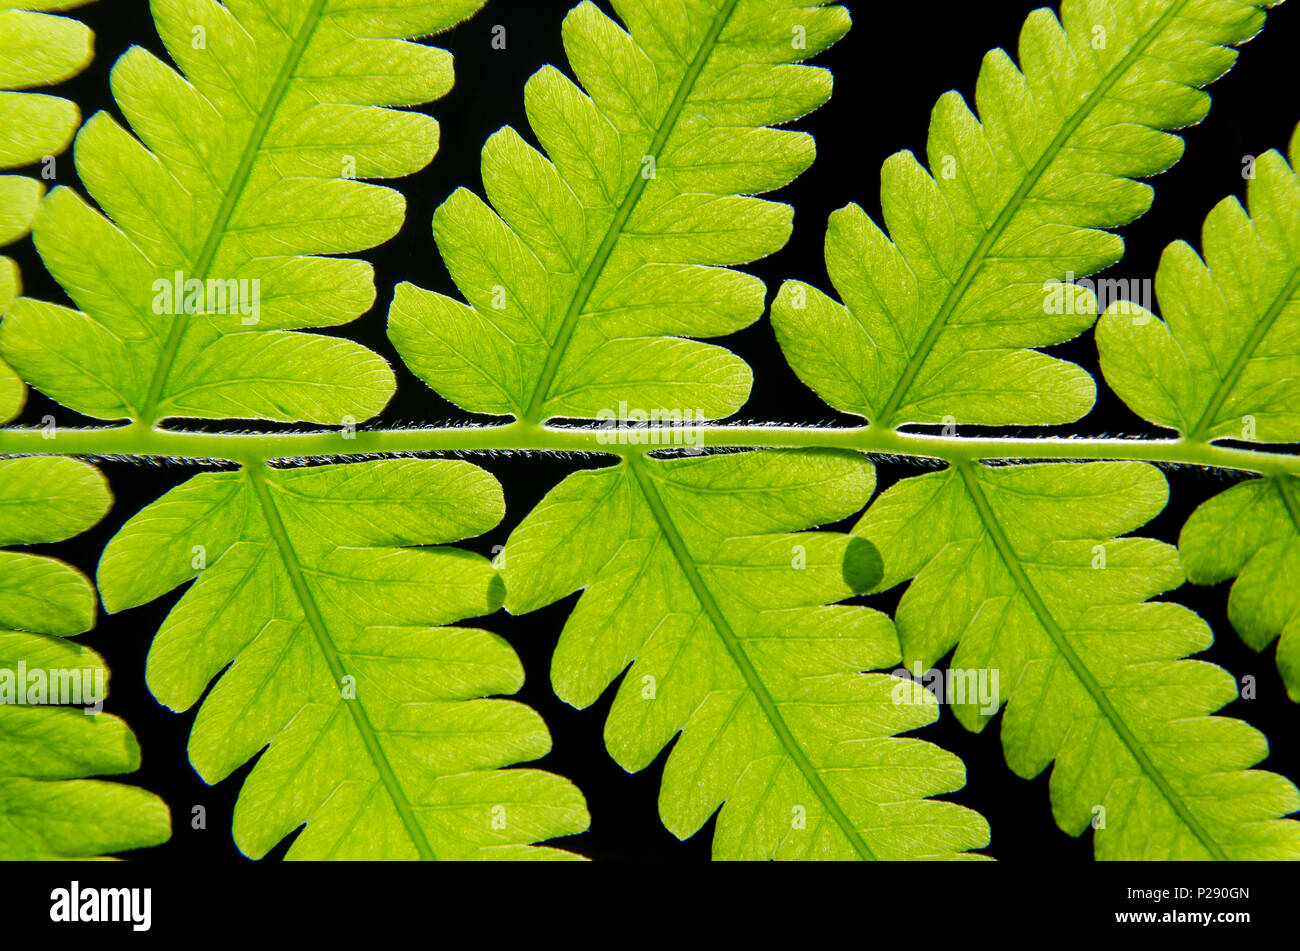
(1288, 500)
(1011, 560)
(1244, 355)
(320, 631)
(591, 275)
(736, 650)
(234, 191)
(1013, 205)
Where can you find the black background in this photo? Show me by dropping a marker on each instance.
(897, 60)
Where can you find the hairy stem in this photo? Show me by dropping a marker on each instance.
(146, 442)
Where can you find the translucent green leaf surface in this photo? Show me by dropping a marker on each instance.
(1224, 363)
(36, 50)
(322, 591)
(598, 260)
(701, 585)
(210, 251)
(940, 317)
(52, 733)
(1021, 570)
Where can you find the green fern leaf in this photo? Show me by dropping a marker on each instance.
(604, 255)
(380, 738)
(239, 181)
(36, 50)
(1225, 364)
(940, 316)
(1251, 532)
(48, 808)
(318, 634)
(1020, 569)
(697, 576)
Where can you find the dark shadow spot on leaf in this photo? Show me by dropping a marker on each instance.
(863, 568)
(496, 593)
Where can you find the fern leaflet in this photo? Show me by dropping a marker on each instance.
(939, 317)
(48, 808)
(698, 575)
(1020, 569)
(36, 49)
(240, 179)
(1224, 364)
(379, 737)
(601, 259)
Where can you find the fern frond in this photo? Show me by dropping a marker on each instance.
(1224, 363)
(598, 259)
(1020, 569)
(207, 257)
(940, 317)
(376, 730)
(1251, 533)
(36, 50)
(48, 808)
(698, 576)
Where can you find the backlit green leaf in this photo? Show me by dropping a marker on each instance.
(597, 261)
(701, 585)
(1021, 570)
(315, 591)
(36, 50)
(1224, 363)
(940, 317)
(219, 213)
(49, 743)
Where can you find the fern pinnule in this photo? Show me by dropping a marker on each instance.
(211, 251)
(1224, 363)
(52, 733)
(1021, 570)
(701, 584)
(320, 591)
(36, 50)
(941, 316)
(605, 255)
